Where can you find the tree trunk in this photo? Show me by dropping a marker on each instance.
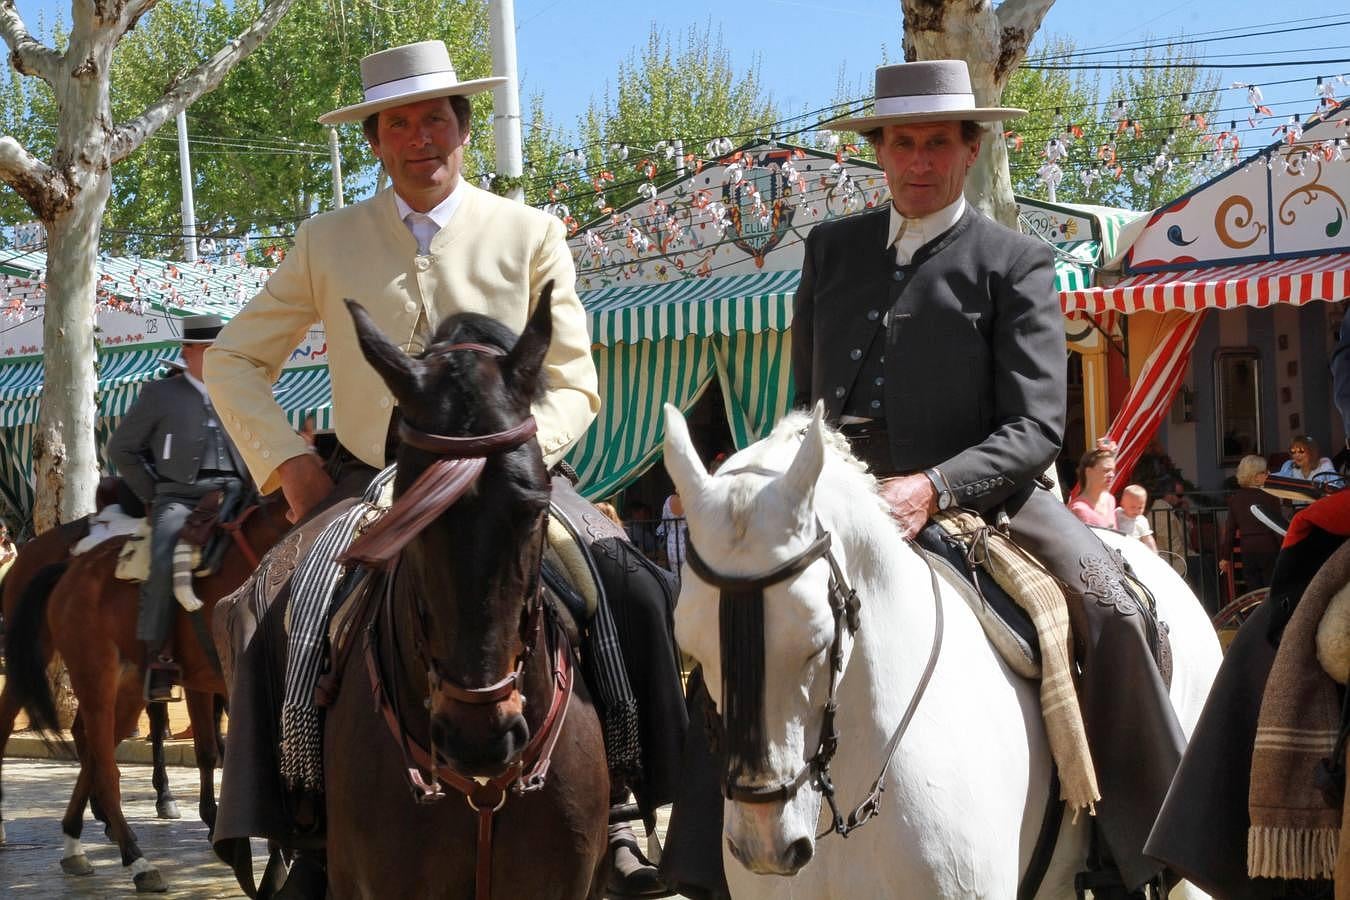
(65, 459)
(992, 42)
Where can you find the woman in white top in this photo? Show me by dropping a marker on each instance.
(1307, 462)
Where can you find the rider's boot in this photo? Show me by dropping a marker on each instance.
(161, 674)
(631, 874)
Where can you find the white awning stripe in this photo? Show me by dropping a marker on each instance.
(1259, 284)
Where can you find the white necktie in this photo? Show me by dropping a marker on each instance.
(423, 229)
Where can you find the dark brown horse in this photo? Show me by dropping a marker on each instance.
(475, 699)
(90, 617)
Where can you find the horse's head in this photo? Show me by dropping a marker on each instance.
(468, 583)
(759, 609)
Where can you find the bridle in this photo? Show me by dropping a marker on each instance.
(460, 461)
(845, 606)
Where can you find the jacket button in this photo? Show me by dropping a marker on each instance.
(410, 306)
(840, 391)
(879, 381)
(876, 404)
(873, 315)
(899, 275)
(384, 402)
(855, 354)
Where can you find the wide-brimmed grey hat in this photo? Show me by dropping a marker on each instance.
(201, 329)
(407, 74)
(935, 90)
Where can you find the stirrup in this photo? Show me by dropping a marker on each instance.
(155, 690)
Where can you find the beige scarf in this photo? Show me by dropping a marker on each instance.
(1041, 596)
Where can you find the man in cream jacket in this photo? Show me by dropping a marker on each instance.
(432, 246)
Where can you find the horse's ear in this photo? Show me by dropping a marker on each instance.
(682, 462)
(523, 364)
(800, 478)
(398, 370)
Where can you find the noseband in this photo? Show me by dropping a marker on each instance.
(739, 591)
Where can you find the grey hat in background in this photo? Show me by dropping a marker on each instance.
(930, 91)
(407, 74)
(201, 329)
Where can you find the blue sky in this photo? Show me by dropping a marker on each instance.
(568, 49)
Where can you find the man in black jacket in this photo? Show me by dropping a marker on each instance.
(171, 451)
(935, 338)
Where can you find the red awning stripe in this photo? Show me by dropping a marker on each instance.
(1292, 281)
(1151, 395)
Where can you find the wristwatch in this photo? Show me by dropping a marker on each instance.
(945, 500)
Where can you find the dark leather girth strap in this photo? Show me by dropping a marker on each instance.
(1046, 841)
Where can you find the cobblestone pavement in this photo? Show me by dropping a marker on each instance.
(36, 793)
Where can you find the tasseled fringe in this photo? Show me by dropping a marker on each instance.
(1283, 852)
(302, 748)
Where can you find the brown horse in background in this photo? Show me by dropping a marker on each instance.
(89, 616)
(469, 672)
(54, 546)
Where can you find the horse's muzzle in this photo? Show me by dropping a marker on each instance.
(479, 740)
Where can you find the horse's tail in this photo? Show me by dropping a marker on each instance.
(25, 668)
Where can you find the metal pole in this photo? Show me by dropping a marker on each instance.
(678, 144)
(189, 209)
(506, 99)
(336, 156)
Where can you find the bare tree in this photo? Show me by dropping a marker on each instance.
(992, 42)
(68, 194)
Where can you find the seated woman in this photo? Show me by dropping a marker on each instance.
(1259, 544)
(1094, 504)
(1307, 462)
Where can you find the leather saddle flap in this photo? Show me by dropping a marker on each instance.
(1007, 625)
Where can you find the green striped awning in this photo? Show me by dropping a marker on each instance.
(301, 392)
(703, 307)
(1074, 264)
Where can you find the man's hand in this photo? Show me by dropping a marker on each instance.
(912, 501)
(304, 483)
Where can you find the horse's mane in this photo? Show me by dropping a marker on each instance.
(850, 491)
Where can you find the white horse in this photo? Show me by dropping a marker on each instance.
(968, 786)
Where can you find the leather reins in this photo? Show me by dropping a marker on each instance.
(845, 606)
(461, 461)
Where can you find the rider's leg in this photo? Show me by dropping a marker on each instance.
(157, 601)
(1132, 728)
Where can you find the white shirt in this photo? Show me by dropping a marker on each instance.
(908, 235)
(440, 216)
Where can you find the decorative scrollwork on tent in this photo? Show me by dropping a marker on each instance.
(1310, 192)
(1244, 219)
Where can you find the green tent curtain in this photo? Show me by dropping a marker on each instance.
(755, 372)
(636, 380)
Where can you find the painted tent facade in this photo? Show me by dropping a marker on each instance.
(1260, 243)
(140, 305)
(694, 284)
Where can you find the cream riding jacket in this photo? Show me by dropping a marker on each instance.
(493, 257)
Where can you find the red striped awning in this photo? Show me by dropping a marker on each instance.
(1292, 281)
(1151, 395)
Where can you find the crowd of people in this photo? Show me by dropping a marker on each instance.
(1247, 543)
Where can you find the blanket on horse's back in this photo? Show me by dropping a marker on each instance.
(1202, 829)
(250, 634)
